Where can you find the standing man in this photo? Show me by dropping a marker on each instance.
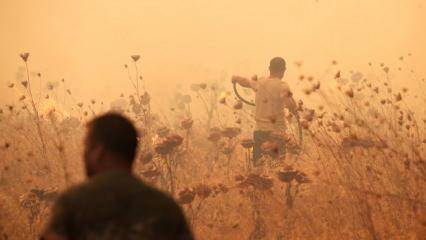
(272, 96)
(114, 203)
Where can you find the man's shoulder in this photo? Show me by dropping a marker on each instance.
(284, 86)
(75, 193)
(116, 186)
(158, 198)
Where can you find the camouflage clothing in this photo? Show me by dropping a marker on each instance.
(117, 205)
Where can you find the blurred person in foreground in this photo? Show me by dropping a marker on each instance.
(114, 203)
(272, 96)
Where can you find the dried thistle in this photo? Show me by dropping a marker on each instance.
(398, 97)
(151, 173)
(146, 158)
(145, 99)
(349, 93)
(163, 131)
(231, 132)
(186, 196)
(214, 136)
(257, 182)
(337, 75)
(238, 105)
(203, 191)
(203, 86)
(168, 144)
(247, 143)
(24, 56)
(135, 57)
(316, 86)
(290, 175)
(187, 124)
(25, 84)
(386, 69)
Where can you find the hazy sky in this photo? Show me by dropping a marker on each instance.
(87, 42)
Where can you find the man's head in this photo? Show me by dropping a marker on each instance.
(277, 67)
(111, 142)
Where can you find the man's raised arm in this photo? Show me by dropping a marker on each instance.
(244, 82)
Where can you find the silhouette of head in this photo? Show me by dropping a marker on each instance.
(111, 143)
(277, 67)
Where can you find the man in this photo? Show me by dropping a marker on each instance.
(272, 96)
(114, 203)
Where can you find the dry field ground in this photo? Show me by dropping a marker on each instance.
(359, 173)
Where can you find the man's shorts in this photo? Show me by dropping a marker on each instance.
(261, 137)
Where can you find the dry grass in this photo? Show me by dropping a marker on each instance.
(360, 174)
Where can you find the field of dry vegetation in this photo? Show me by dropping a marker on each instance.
(359, 172)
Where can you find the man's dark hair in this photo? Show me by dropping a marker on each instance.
(116, 134)
(277, 64)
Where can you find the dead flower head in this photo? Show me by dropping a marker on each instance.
(386, 69)
(316, 86)
(186, 196)
(145, 99)
(398, 97)
(231, 132)
(146, 158)
(238, 105)
(304, 124)
(135, 57)
(337, 75)
(151, 173)
(227, 150)
(203, 86)
(163, 131)
(25, 84)
(256, 181)
(24, 56)
(168, 144)
(203, 191)
(290, 175)
(247, 143)
(187, 124)
(214, 135)
(350, 93)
